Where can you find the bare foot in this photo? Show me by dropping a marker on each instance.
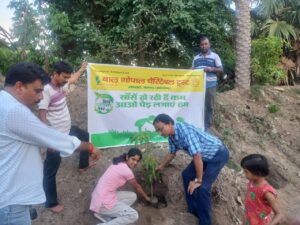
(91, 164)
(57, 209)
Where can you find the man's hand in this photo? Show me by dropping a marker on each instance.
(75, 76)
(97, 154)
(159, 168)
(208, 69)
(83, 67)
(192, 186)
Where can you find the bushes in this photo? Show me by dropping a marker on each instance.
(265, 56)
(7, 58)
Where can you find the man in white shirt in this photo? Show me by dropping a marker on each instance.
(21, 136)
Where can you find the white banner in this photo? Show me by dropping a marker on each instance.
(124, 100)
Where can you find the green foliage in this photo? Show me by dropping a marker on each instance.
(26, 28)
(233, 165)
(141, 137)
(162, 33)
(149, 170)
(265, 56)
(7, 58)
(273, 108)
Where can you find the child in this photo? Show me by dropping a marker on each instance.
(261, 196)
(110, 204)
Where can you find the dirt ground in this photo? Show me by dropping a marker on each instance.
(243, 123)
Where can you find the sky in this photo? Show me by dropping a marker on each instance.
(5, 15)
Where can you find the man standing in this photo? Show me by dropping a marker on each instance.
(53, 110)
(21, 136)
(210, 62)
(209, 157)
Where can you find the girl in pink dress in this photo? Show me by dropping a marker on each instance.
(260, 199)
(111, 206)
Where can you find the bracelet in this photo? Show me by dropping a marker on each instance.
(91, 148)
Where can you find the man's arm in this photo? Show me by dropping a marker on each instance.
(198, 162)
(217, 70)
(139, 189)
(166, 160)
(42, 114)
(75, 76)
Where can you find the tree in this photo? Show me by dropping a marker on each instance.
(161, 33)
(242, 43)
(25, 27)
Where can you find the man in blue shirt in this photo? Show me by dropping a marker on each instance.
(211, 63)
(209, 157)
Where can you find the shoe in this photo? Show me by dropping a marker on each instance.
(102, 218)
(33, 213)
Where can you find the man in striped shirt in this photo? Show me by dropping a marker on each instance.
(209, 157)
(53, 110)
(211, 63)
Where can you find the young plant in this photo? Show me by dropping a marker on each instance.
(273, 108)
(151, 176)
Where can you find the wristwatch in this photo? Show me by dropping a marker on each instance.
(197, 181)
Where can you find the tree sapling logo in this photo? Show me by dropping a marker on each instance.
(98, 80)
(103, 103)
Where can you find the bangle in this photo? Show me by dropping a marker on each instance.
(91, 148)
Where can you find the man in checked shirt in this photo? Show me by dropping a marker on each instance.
(209, 157)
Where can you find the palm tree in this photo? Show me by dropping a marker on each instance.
(242, 43)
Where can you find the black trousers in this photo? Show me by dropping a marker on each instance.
(52, 163)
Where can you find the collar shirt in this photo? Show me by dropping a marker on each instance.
(210, 60)
(21, 136)
(193, 140)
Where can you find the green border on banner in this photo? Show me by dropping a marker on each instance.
(114, 138)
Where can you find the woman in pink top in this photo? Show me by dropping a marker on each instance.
(111, 206)
(260, 199)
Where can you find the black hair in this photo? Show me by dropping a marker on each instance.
(130, 153)
(62, 67)
(164, 118)
(25, 72)
(257, 164)
(202, 38)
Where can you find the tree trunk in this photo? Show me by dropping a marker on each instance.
(298, 58)
(242, 43)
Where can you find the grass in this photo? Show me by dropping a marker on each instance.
(273, 108)
(233, 165)
(256, 91)
(297, 91)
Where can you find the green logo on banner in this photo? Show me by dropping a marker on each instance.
(103, 103)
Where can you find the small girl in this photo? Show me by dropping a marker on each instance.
(111, 206)
(261, 196)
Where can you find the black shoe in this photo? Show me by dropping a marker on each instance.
(33, 213)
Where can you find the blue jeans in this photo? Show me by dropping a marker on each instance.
(199, 203)
(52, 163)
(209, 107)
(15, 215)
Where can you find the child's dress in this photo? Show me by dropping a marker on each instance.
(257, 209)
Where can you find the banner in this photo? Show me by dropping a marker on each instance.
(123, 102)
